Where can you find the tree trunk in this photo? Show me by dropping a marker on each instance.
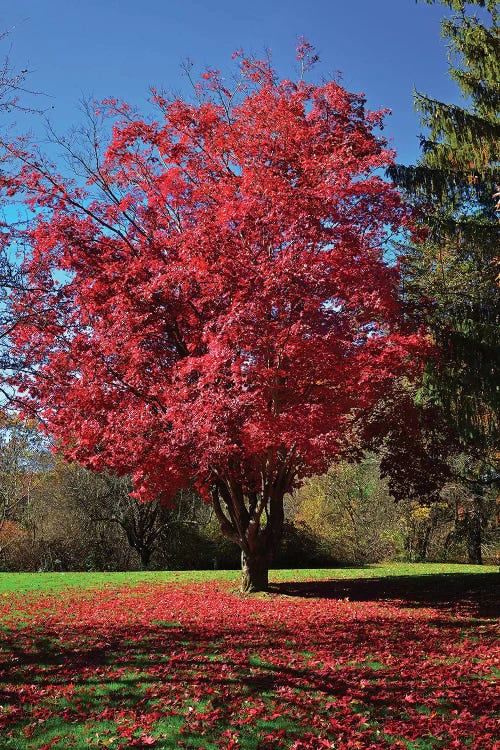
(254, 572)
(473, 523)
(423, 545)
(145, 555)
(241, 516)
(473, 530)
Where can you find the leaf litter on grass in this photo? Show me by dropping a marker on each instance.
(199, 666)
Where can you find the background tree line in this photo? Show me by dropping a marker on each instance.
(60, 516)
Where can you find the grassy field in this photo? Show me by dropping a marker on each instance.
(386, 656)
(23, 582)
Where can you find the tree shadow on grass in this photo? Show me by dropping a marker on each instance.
(200, 680)
(479, 592)
(124, 683)
(213, 667)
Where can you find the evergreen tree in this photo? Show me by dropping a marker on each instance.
(452, 274)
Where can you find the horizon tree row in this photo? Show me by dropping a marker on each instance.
(59, 516)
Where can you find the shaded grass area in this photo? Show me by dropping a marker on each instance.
(373, 658)
(479, 591)
(24, 582)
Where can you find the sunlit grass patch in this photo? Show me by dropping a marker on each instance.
(39, 582)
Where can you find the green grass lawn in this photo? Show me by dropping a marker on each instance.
(24, 582)
(396, 656)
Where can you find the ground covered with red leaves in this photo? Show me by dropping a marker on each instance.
(200, 666)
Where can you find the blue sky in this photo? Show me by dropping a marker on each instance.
(103, 48)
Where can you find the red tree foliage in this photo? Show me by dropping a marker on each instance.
(219, 310)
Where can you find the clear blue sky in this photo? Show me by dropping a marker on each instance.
(102, 48)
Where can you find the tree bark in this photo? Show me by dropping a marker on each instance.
(240, 521)
(473, 523)
(145, 555)
(253, 519)
(474, 538)
(423, 545)
(254, 572)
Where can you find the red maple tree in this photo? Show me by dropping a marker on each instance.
(214, 307)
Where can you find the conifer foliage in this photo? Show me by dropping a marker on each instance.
(451, 277)
(213, 305)
(454, 272)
